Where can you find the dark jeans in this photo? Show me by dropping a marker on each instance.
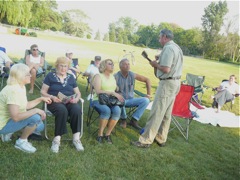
(62, 112)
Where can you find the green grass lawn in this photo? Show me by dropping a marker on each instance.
(211, 153)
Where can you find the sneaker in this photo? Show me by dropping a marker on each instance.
(78, 145)
(55, 146)
(134, 124)
(123, 123)
(100, 139)
(25, 146)
(140, 145)
(108, 139)
(6, 137)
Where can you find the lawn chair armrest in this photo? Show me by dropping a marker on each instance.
(139, 93)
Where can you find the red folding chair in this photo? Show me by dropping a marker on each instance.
(181, 114)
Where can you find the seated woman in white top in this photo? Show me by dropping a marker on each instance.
(35, 62)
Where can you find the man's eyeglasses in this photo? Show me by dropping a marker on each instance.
(111, 64)
(35, 49)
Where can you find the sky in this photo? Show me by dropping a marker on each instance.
(187, 14)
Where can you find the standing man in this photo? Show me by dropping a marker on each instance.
(169, 71)
(125, 81)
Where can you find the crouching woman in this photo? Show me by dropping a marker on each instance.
(17, 113)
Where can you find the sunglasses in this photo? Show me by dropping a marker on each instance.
(35, 49)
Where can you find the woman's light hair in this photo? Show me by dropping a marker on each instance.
(103, 65)
(17, 74)
(62, 60)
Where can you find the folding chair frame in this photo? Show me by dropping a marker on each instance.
(198, 85)
(49, 114)
(184, 112)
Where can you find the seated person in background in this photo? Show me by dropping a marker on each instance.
(93, 68)
(5, 62)
(109, 116)
(16, 112)
(35, 62)
(61, 81)
(73, 68)
(126, 81)
(226, 92)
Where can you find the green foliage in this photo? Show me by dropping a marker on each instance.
(98, 36)
(106, 37)
(89, 36)
(32, 34)
(212, 22)
(74, 23)
(15, 12)
(112, 32)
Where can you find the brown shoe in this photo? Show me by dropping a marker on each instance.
(123, 123)
(140, 145)
(134, 124)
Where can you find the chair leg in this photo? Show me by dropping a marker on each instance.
(183, 130)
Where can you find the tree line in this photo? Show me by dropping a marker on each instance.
(207, 41)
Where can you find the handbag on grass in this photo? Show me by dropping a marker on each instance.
(109, 100)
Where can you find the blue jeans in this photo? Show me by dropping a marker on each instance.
(141, 104)
(107, 112)
(13, 126)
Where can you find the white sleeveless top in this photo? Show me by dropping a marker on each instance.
(36, 60)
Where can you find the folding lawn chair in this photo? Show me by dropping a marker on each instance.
(181, 114)
(75, 64)
(49, 114)
(4, 72)
(3, 76)
(198, 83)
(92, 115)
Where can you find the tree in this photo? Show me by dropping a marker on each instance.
(212, 22)
(45, 15)
(112, 32)
(146, 34)
(106, 37)
(15, 12)
(74, 23)
(98, 36)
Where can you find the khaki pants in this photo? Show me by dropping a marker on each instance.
(159, 119)
(223, 96)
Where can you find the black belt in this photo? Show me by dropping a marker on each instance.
(169, 78)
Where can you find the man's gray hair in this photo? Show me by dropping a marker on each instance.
(167, 32)
(121, 62)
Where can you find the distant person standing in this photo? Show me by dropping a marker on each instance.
(169, 71)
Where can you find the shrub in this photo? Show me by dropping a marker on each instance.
(32, 34)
